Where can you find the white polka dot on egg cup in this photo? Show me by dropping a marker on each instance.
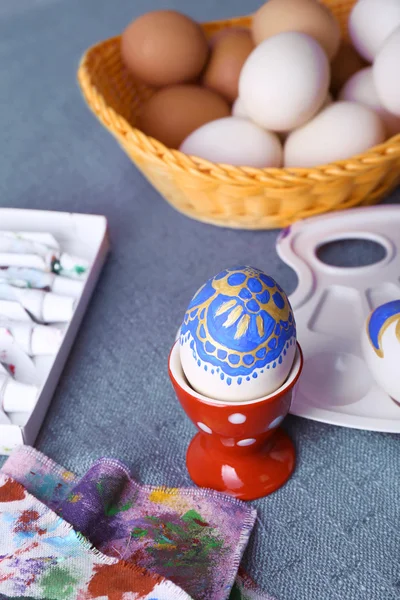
(240, 448)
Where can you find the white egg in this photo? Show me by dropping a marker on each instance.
(238, 337)
(234, 141)
(381, 347)
(238, 109)
(386, 71)
(284, 81)
(370, 23)
(340, 131)
(361, 88)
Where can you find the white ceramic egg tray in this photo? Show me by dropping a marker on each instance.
(80, 235)
(331, 305)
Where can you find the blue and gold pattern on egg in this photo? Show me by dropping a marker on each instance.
(379, 321)
(238, 322)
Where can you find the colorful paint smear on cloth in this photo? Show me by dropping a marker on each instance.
(41, 556)
(193, 537)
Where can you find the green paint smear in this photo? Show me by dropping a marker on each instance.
(138, 532)
(59, 583)
(79, 270)
(192, 515)
(111, 509)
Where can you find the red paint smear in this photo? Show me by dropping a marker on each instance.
(12, 369)
(114, 581)
(26, 549)
(11, 491)
(26, 522)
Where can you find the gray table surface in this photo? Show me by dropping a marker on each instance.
(332, 533)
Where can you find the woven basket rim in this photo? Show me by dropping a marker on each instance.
(282, 176)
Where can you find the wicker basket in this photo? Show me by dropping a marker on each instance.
(224, 195)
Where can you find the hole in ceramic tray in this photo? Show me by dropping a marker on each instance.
(351, 253)
(335, 379)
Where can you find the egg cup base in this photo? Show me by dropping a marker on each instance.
(246, 476)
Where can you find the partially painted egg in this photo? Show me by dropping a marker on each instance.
(381, 347)
(238, 337)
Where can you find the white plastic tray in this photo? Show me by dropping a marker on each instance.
(79, 235)
(331, 305)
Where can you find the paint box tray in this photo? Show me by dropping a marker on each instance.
(80, 235)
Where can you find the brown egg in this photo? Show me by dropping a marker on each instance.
(175, 112)
(228, 56)
(346, 62)
(223, 32)
(164, 47)
(305, 16)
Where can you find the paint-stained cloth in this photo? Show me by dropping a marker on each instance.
(193, 537)
(41, 556)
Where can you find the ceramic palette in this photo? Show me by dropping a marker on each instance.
(331, 305)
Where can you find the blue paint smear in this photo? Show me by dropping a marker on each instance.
(236, 279)
(222, 376)
(245, 294)
(209, 347)
(263, 297)
(379, 318)
(278, 299)
(253, 306)
(267, 280)
(248, 359)
(239, 381)
(254, 285)
(255, 375)
(229, 381)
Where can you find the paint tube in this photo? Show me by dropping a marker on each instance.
(44, 307)
(34, 340)
(4, 420)
(21, 249)
(35, 279)
(14, 311)
(16, 396)
(19, 364)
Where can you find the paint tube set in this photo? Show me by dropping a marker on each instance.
(40, 286)
(44, 293)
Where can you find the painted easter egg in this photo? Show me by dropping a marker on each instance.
(238, 337)
(381, 347)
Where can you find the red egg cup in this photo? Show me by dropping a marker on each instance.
(239, 450)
